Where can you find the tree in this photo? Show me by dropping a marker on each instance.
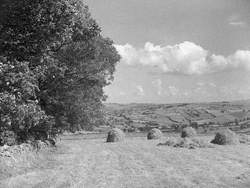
(19, 111)
(73, 87)
(30, 28)
(54, 65)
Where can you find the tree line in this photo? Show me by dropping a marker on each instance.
(54, 64)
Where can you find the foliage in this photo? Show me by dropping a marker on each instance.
(19, 111)
(8, 137)
(53, 67)
(78, 87)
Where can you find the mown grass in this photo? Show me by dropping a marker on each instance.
(85, 161)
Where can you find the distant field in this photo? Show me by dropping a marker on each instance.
(82, 162)
(174, 116)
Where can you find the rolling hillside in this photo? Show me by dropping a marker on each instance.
(172, 117)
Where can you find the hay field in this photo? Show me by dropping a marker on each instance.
(134, 163)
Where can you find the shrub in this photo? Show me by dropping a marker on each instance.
(115, 135)
(188, 132)
(225, 137)
(8, 137)
(154, 134)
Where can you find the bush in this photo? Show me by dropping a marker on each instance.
(188, 132)
(225, 137)
(8, 137)
(115, 135)
(154, 134)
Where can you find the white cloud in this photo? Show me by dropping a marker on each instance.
(158, 84)
(128, 53)
(200, 83)
(237, 23)
(140, 90)
(236, 20)
(241, 58)
(185, 58)
(212, 84)
(122, 93)
(173, 90)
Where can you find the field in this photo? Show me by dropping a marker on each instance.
(173, 117)
(84, 161)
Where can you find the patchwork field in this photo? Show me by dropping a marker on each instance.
(81, 161)
(173, 117)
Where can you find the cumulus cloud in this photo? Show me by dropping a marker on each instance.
(236, 20)
(173, 90)
(158, 84)
(200, 83)
(237, 23)
(212, 84)
(185, 58)
(140, 90)
(121, 93)
(203, 84)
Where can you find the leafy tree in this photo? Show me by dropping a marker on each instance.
(54, 65)
(30, 28)
(19, 111)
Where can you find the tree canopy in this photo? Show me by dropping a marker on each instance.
(54, 64)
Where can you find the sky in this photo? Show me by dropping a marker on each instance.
(177, 50)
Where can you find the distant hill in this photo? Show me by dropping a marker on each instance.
(173, 117)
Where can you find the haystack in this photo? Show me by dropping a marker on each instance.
(225, 137)
(154, 134)
(188, 132)
(115, 135)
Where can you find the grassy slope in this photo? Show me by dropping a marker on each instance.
(136, 162)
(165, 115)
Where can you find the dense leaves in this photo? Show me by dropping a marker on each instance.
(53, 67)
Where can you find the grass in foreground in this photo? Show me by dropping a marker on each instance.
(137, 162)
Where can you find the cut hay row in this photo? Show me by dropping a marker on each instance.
(188, 138)
(190, 143)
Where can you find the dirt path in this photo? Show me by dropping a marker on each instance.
(137, 163)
